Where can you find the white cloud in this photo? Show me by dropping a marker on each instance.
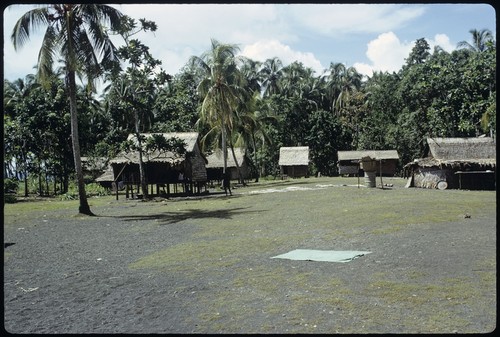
(262, 30)
(185, 30)
(308, 33)
(388, 53)
(195, 24)
(364, 69)
(265, 49)
(332, 19)
(443, 41)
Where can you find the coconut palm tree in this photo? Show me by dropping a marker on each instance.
(350, 82)
(341, 82)
(18, 90)
(250, 73)
(479, 40)
(253, 117)
(294, 77)
(219, 89)
(271, 74)
(75, 32)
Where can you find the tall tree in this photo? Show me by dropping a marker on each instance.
(271, 73)
(176, 107)
(219, 88)
(333, 83)
(37, 128)
(350, 83)
(419, 53)
(253, 115)
(15, 138)
(77, 33)
(250, 71)
(137, 86)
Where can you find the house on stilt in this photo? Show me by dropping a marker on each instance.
(170, 172)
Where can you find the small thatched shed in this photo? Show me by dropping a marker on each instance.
(93, 167)
(465, 163)
(165, 167)
(348, 161)
(294, 161)
(215, 164)
(106, 179)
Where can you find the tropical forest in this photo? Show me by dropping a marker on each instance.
(87, 95)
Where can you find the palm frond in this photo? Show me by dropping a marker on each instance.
(94, 17)
(47, 53)
(30, 21)
(104, 14)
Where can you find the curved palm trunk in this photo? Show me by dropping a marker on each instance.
(224, 152)
(84, 207)
(240, 176)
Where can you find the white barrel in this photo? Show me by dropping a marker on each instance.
(370, 178)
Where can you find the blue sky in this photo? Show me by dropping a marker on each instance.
(368, 36)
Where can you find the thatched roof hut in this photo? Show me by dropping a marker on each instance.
(459, 152)
(348, 161)
(294, 161)
(94, 166)
(215, 164)
(456, 162)
(163, 167)
(107, 178)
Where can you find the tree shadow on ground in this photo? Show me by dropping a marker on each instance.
(173, 217)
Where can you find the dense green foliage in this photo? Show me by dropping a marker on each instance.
(257, 106)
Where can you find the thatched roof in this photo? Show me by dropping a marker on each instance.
(456, 151)
(190, 139)
(216, 159)
(94, 163)
(106, 176)
(374, 154)
(462, 148)
(294, 156)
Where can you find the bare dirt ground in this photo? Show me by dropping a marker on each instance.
(196, 267)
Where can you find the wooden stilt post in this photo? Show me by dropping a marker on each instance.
(359, 168)
(381, 183)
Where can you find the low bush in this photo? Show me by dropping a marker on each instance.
(10, 188)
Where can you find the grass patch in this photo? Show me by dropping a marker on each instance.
(438, 303)
(204, 255)
(280, 298)
(24, 210)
